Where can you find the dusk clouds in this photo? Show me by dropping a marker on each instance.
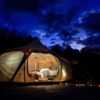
(63, 22)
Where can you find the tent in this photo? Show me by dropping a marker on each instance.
(33, 63)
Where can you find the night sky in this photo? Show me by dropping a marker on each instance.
(63, 22)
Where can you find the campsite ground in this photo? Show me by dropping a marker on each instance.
(50, 92)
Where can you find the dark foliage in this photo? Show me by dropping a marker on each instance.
(85, 63)
(12, 40)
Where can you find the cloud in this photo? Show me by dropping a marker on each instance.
(22, 5)
(90, 21)
(56, 14)
(31, 6)
(53, 19)
(58, 20)
(93, 41)
(76, 45)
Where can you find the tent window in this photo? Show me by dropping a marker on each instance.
(9, 62)
(43, 66)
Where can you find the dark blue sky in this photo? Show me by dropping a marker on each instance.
(62, 22)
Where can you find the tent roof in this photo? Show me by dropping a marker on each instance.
(35, 45)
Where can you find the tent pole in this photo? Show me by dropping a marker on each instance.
(24, 73)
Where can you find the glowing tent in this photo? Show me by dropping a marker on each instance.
(33, 63)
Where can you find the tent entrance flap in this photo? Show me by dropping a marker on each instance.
(43, 66)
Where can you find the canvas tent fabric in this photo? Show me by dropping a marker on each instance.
(33, 63)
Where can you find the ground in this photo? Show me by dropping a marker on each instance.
(50, 92)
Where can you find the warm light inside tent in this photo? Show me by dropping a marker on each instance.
(45, 65)
(38, 61)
